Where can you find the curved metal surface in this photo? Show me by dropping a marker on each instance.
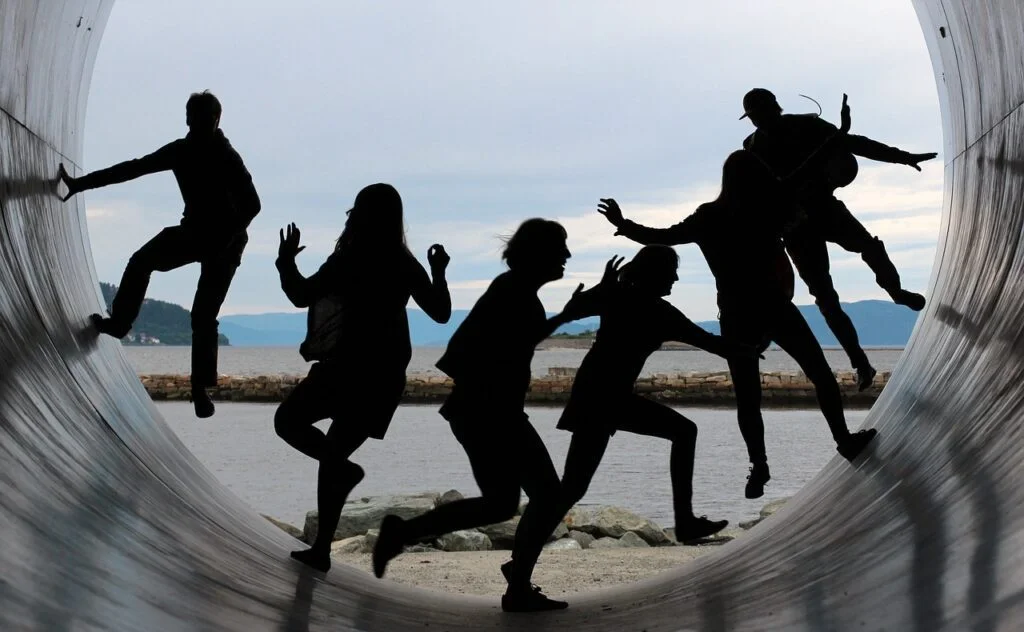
(107, 522)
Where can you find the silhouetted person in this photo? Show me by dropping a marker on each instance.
(488, 359)
(358, 334)
(635, 322)
(785, 143)
(220, 202)
(739, 235)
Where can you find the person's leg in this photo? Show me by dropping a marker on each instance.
(170, 249)
(792, 333)
(652, 419)
(746, 384)
(842, 228)
(306, 404)
(490, 446)
(808, 249)
(540, 481)
(214, 281)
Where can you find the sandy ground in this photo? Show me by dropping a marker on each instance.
(558, 572)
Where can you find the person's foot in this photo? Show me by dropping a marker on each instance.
(913, 300)
(530, 601)
(202, 403)
(865, 376)
(106, 325)
(506, 571)
(759, 475)
(695, 528)
(853, 445)
(314, 559)
(389, 543)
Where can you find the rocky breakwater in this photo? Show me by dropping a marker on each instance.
(779, 388)
(584, 527)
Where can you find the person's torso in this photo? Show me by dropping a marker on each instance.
(788, 144)
(204, 170)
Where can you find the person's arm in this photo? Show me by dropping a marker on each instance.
(243, 191)
(583, 304)
(874, 150)
(160, 160)
(432, 294)
(302, 291)
(682, 329)
(686, 231)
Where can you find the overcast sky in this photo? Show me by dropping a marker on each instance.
(483, 114)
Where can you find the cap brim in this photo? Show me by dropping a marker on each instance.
(742, 117)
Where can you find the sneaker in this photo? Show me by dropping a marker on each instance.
(314, 559)
(853, 445)
(106, 325)
(506, 570)
(913, 300)
(389, 543)
(697, 528)
(758, 476)
(202, 403)
(530, 601)
(865, 376)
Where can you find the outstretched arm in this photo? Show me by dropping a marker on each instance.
(432, 294)
(682, 329)
(684, 232)
(160, 160)
(583, 304)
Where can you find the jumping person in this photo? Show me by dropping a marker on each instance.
(739, 235)
(785, 142)
(635, 321)
(358, 334)
(488, 358)
(220, 202)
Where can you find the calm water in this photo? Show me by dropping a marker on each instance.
(419, 454)
(286, 360)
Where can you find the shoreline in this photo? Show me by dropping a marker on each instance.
(780, 389)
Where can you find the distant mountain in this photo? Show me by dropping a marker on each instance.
(879, 323)
(159, 322)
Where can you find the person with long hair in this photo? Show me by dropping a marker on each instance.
(739, 235)
(358, 336)
(488, 359)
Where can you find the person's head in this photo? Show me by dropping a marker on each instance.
(538, 249)
(760, 106)
(375, 219)
(202, 112)
(749, 188)
(652, 270)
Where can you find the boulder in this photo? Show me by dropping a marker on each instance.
(355, 544)
(565, 544)
(750, 524)
(582, 537)
(464, 541)
(361, 515)
(502, 534)
(420, 548)
(631, 539)
(606, 543)
(560, 532)
(772, 507)
(449, 496)
(614, 522)
(291, 530)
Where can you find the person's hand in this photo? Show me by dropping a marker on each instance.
(68, 181)
(575, 308)
(916, 158)
(611, 270)
(844, 117)
(611, 211)
(437, 258)
(289, 247)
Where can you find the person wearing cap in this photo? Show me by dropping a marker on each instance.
(787, 142)
(220, 203)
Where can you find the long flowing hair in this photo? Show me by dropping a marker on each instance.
(375, 222)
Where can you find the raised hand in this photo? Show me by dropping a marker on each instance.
(68, 181)
(611, 211)
(289, 246)
(575, 309)
(844, 117)
(611, 270)
(916, 158)
(437, 258)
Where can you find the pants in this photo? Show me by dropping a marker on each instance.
(506, 455)
(828, 220)
(784, 324)
(174, 247)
